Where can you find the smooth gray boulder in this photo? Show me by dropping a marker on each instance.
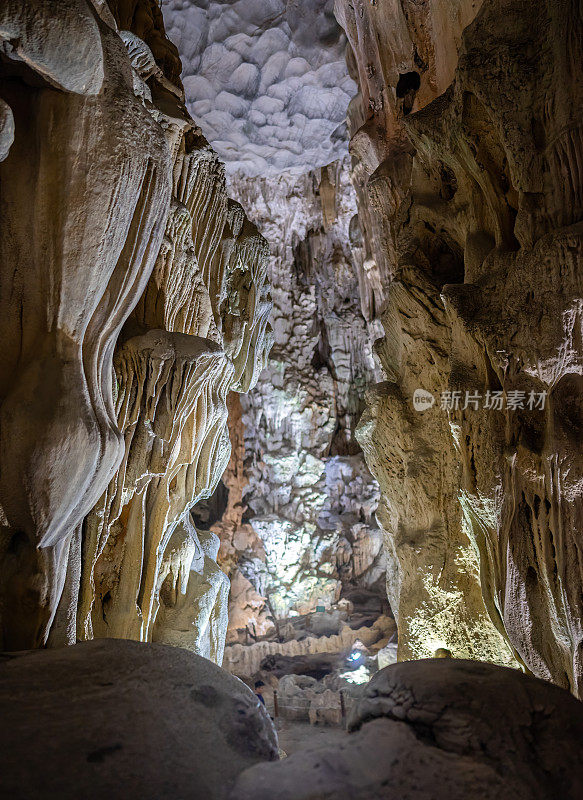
(440, 729)
(112, 718)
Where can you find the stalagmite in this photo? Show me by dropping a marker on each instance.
(194, 595)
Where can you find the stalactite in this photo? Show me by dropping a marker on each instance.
(128, 211)
(75, 261)
(485, 301)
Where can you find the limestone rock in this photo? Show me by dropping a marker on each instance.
(513, 459)
(266, 80)
(77, 145)
(297, 489)
(144, 19)
(310, 496)
(304, 698)
(247, 611)
(314, 665)
(245, 660)
(6, 129)
(468, 190)
(172, 412)
(34, 31)
(247, 306)
(122, 717)
(126, 252)
(387, 655)
(325, 709)
(248, 614)
(295, 694)
(439, 730)
(194, 599)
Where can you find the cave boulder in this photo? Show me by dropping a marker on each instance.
(116, 718)
(314, 665)
(440, 729)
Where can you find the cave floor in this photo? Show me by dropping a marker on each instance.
(295, 736)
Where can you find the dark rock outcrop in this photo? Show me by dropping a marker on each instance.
(441, 730)
(119, 719)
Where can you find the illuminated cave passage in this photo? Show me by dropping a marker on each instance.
(290, 399)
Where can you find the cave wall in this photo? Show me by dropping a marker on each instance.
(467, 164)
(134, 298)
(300, 523)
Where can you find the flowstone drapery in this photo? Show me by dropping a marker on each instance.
(134, 299)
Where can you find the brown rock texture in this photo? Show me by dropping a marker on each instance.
(126, 719)
(516, 323)
(247, 607)
(466, 159)
(134, 299)
(404, 57)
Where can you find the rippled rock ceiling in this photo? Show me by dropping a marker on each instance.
(265, 79)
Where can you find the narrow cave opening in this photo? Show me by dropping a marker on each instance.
(207, 512)
(406, 90)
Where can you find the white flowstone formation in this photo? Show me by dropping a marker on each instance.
(265, 79)
(311, 498)
(134, 300)
(194, 597)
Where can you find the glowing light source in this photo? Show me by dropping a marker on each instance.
(357, 676)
